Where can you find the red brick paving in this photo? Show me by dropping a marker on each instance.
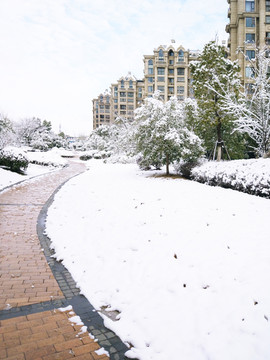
(26, 278)
(48, 335)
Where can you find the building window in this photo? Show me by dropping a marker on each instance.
(150, 89)
(250, 22)
(171, 71)
(150, 79)
(249, 72)
(181, 56)
(267, 19)
(181, 79)
(122, 84)
(130, 94)
(180, 89)
(267, 6)
(161, 71)
(161, 55)
(150, 67)
(180, 71)
(160, 78)
(116, 106)
(160, 88)
(130, 84)
(250, 54)
(123, 107)
(171, 80)
(250, 38)
(250, 6)
(171, 89)
(115, 100)
(171, 53)
(171, 62)
(267, 38)
(122, 93)
(249, 89)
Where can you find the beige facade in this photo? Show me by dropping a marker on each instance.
(166, 70)
(102, 110)
(249, 28)
(126, 96)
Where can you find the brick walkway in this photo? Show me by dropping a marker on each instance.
(31, 326)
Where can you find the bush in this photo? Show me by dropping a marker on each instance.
(13, 158)
(250, 176)
(185, 168)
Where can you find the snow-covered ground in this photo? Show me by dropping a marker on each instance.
(8, 178)
(185, 264)
(51, 159)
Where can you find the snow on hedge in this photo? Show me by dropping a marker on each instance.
(54, 157)
(250, 176)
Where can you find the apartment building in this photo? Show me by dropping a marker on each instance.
(166, 70)
(102, 110)
(249, 28)
(126, 96)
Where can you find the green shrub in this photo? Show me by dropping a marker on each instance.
(14, 159)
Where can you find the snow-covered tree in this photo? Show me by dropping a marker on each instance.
(38, 134)
(162, 136)
(214, 75)
(6, 131)
(252, 109)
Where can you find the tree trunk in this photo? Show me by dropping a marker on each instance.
(219, 137)
(167, 165)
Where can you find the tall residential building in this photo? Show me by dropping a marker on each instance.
(102, 110)
(166, 70)
(249, 28)
(126, 96)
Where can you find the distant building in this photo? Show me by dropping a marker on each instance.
(102, 110)
(166, 70)
(126, 96)
(249, 28)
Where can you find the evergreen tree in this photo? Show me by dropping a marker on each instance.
(162, 136)
(213, 76)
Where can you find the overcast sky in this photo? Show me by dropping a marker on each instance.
(57, 55)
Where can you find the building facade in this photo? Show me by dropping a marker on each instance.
(126, 96)
(249, 27)
(102, 110)
(166, 70)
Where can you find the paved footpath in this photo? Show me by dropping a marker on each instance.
(39, 301)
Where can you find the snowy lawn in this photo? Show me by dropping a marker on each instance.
(8, 177)
(185, 264)
(40, 163)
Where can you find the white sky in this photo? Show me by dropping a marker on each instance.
(57, 55)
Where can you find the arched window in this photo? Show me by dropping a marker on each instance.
(171, 53)
(181, 55)
(101, 98)
(161, 54)
(150, 67)
(122, 84)
(130, 84)
(107, 99)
